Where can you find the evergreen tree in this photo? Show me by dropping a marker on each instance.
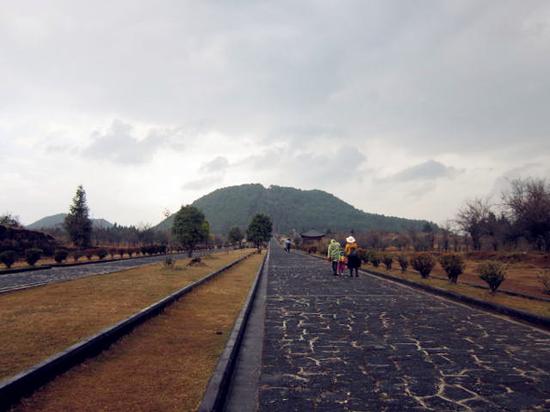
(77, 222)
(190, 228)
(259, 230)
(235, 236)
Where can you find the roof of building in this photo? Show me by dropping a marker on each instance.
(312, 234)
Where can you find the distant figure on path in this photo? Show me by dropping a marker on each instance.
(342, 263)
(351, 252)
(287, 245)
(333, 255)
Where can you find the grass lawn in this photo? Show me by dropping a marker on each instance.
(39, 322)
(163, 365)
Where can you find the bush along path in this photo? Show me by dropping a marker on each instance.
(13, 281)
(364, 343)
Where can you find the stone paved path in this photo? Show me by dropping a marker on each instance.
(60, 274)
(366, 344)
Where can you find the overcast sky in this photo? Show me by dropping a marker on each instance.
(397, 107)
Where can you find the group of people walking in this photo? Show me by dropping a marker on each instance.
(342, 257)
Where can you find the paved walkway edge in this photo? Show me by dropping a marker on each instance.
(216, 391)
(534, 320)
(92, 262)
(540, 321)
(28, 381)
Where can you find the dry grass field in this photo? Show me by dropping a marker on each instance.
(165, 364)
(528, 305)
(521, 277)
(38, 322)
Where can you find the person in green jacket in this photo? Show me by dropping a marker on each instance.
(333, 254)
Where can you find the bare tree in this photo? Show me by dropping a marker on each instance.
(472, 219)
(528, 205)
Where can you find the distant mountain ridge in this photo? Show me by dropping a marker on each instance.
(55, 221)
(289, 209)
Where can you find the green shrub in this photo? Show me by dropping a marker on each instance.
(374, 258)
(388, 261)
(403, 262)
(8, 258)
(363, 255)
(33, 255)
(77, 254)
(423, 263)
(493, 273)
(544, 278)
(60, 255)
(453, 265)
(101, 253)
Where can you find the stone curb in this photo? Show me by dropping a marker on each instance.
(536, 320)
(540, 321)
(216, 391)
(24, 383)
(91, 262)
(21, 270)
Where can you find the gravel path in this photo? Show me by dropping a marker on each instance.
(60, 274)
(366, 344)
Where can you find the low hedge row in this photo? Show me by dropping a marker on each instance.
(33, 255)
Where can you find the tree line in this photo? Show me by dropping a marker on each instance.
(523, 213)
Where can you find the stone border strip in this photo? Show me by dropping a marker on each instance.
(218, 385)
(26, 269)
(35, 284)
(506, 292)
(540, 321)
(26, 382)
(89, 262)
(535, 320)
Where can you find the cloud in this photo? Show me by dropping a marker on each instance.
(292, 93)
(212, 172)
(216, 165)
(118, 144)
(426, 171)
(202, 183)
(502, 182)
(332, 165)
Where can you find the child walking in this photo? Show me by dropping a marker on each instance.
(342, 261)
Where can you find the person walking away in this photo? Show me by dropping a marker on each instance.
(287, 245)
(342, 263)
(352, 254)
(333, 255)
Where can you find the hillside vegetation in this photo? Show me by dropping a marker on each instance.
(289, 209)
(56, 221)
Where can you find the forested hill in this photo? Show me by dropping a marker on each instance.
(290, 209)
(56, 221)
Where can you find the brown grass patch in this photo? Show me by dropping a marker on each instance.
(163, 365)
(527, 305)
(39, 322)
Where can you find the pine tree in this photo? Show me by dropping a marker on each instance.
(77, 222)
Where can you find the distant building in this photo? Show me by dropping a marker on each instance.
(312, 239)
